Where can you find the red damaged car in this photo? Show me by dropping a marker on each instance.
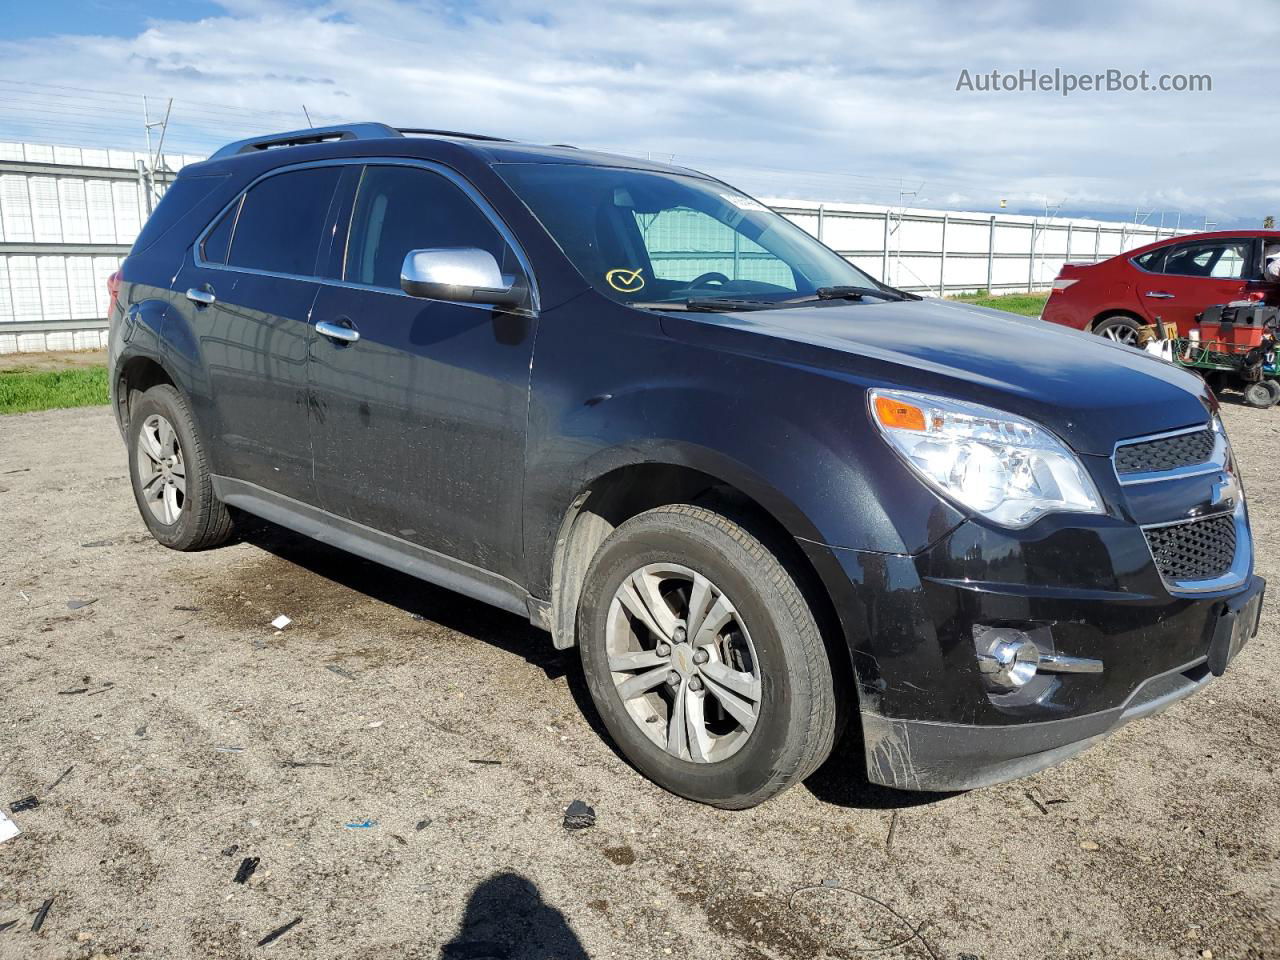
(1173, 279)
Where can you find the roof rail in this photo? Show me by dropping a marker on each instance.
(349, 131)
(453, 133)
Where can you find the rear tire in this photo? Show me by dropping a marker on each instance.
(172, 483)
(1259, 395)
(1119, 329)
(720, 689)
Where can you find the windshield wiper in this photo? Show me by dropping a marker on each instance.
(857, 293)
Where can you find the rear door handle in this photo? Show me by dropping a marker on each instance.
(1159, 295)
(201, 295)
(336, 331)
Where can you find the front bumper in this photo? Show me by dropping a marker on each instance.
(931, 721)
(924, 755)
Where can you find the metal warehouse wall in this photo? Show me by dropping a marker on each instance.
(69, 214)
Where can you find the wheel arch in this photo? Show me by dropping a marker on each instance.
(625, 491)
(134, 375)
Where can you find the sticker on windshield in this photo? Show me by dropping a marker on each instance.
(624, 279)
(743, 203)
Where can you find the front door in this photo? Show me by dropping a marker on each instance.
(247, 291)
(418, 426)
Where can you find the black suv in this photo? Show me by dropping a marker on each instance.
(761, 492)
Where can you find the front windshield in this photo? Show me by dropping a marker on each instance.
(639, 236)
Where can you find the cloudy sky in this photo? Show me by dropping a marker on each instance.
(799, 98)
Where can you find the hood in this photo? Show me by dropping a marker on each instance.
(1090, 391)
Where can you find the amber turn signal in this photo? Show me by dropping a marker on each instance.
(898, 415)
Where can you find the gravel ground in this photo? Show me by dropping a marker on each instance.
(399, 760)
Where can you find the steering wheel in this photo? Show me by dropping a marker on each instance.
(707, 277)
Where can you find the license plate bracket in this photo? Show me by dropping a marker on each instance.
(1237, 625)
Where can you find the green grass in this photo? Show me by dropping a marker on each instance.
(1027, 304)
(22, 391)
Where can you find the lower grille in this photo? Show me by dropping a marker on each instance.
(1196, 550)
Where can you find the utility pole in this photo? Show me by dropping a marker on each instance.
(153, 158)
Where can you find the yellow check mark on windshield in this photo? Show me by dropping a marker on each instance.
(625, 280)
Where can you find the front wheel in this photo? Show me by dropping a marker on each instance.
(704, 659)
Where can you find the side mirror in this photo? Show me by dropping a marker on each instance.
(461, 275)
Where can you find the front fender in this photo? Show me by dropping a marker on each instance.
(796, 440)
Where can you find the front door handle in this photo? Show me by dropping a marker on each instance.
(1159, 295)
(201, 296)
(337, 331)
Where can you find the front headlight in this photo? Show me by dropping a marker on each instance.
(1007, 469)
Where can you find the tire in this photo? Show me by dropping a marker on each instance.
(1120, 329)
(1274, 387)
(764, 690)
(166, 455)
(1259, 395)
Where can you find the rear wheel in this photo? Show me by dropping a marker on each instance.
(1120, 329)
(1259, 394)
(703, 658)
(172, 483)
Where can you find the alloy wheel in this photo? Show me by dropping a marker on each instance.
(683, 663)
(162, 474)
(1122, 333)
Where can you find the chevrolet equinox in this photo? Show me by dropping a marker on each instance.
(761, 492)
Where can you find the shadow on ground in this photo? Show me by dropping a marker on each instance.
(505, 919)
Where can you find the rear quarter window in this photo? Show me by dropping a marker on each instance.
(182, 196)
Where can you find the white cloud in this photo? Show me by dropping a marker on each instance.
(787, 98)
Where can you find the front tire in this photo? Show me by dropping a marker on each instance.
(172, 482)
(703, 658)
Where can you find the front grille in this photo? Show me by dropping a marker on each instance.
(1165, 453)
(1197, 550)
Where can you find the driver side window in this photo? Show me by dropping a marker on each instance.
(684, 244)
(403, 208)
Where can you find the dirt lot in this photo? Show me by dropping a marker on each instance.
(58, 360)
(185, 734)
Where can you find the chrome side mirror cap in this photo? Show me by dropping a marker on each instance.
(459, 275)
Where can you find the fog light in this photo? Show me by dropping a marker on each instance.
(1010, 663)
(1009, 658)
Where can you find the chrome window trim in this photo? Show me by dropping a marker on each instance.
(1217, 457)
(483, 205)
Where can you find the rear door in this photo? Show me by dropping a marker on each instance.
(418, 426)
(1196, 275)
(248, 293)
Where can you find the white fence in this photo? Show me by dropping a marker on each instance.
(69, 214)
(942, 252)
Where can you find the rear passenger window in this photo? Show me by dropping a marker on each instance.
(1150, 260)
(399, 209)
(218, 240)
(281, 220)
